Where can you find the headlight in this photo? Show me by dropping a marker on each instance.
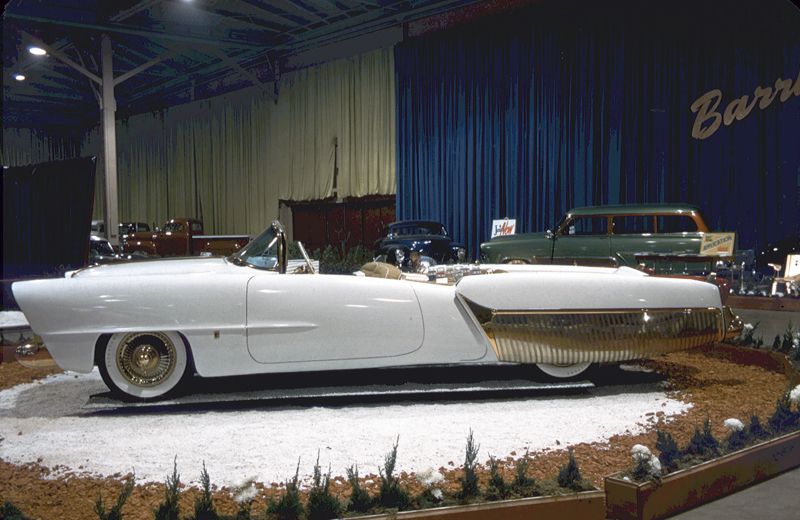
(399, 256)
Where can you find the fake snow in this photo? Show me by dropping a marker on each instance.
(43, 422)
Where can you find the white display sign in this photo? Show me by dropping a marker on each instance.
(504, 227)
(717, 244)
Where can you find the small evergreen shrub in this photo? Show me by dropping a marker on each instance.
(115, 513)
(431, 495)
(747, 338)
(522, 484)
(737, 437)
(360, 501)
(168, 509)
(469, 482)
(204, 504)
(243, 512)
(288, 506)
(244, 495)
(646, 466)
(335, 260)
(569, 476)
(496, 488)
(787, 342)
(782, 418)
(703, 444)
(668, 450)
(391, 495)
(11, 512)
(321, 504)
(755, 430)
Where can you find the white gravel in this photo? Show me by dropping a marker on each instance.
(43, 422)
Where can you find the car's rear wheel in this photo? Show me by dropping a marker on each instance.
(563, 371)
(144, 365)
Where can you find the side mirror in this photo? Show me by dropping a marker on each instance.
(549, 234)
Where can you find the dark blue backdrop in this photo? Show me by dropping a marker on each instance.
(533, 112)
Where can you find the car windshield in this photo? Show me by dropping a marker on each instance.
(417, 229)
(101, 247)
(173, 227)
(132, 227)
(261, 252)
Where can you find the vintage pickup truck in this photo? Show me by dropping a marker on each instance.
(646, 235)
(181, 237)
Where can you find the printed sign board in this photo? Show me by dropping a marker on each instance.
(717, 244)
(504, 227)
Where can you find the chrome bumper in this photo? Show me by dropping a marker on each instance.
(566, 337)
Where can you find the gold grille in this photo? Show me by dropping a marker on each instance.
(566, 337)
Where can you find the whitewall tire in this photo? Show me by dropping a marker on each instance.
(144, 365)
(563, 371)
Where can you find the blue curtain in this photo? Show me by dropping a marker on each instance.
(531, 113)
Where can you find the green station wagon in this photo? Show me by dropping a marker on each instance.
(630, 235)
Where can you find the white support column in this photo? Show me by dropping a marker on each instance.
(111, 209)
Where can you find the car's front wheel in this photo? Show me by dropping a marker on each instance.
(144, 365)
(564, 371)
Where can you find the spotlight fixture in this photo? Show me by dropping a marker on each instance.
(19, 77)
(37, 51)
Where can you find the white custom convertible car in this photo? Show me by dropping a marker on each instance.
(150, 325)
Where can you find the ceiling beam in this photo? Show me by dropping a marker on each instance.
(144, 66)
(235, 65)
(61, 56)
(225, 18)
(259, 11)
(364, 23)
(141, 6)
(292, 8)
(145, 33)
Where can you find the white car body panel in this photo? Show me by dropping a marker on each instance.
(588, 289)
(242, 320)
(316, 319)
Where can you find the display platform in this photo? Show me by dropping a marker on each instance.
(327, 395)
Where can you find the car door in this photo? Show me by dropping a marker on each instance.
(583, 240)
(174, 240)
(651, 236)
(633, 236)
(297, 318)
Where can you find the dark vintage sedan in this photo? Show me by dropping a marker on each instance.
(424, 238)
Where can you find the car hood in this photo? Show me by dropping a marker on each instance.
(168, 267)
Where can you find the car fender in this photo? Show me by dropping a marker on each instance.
(71, 314)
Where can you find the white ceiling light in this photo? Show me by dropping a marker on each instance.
(19, 77)
(37, 51)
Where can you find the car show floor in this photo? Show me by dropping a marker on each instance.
(58, 454)
(49, 422)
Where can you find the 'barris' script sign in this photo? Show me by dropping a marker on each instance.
(709, 120)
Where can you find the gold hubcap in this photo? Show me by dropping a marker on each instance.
(146, 359)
